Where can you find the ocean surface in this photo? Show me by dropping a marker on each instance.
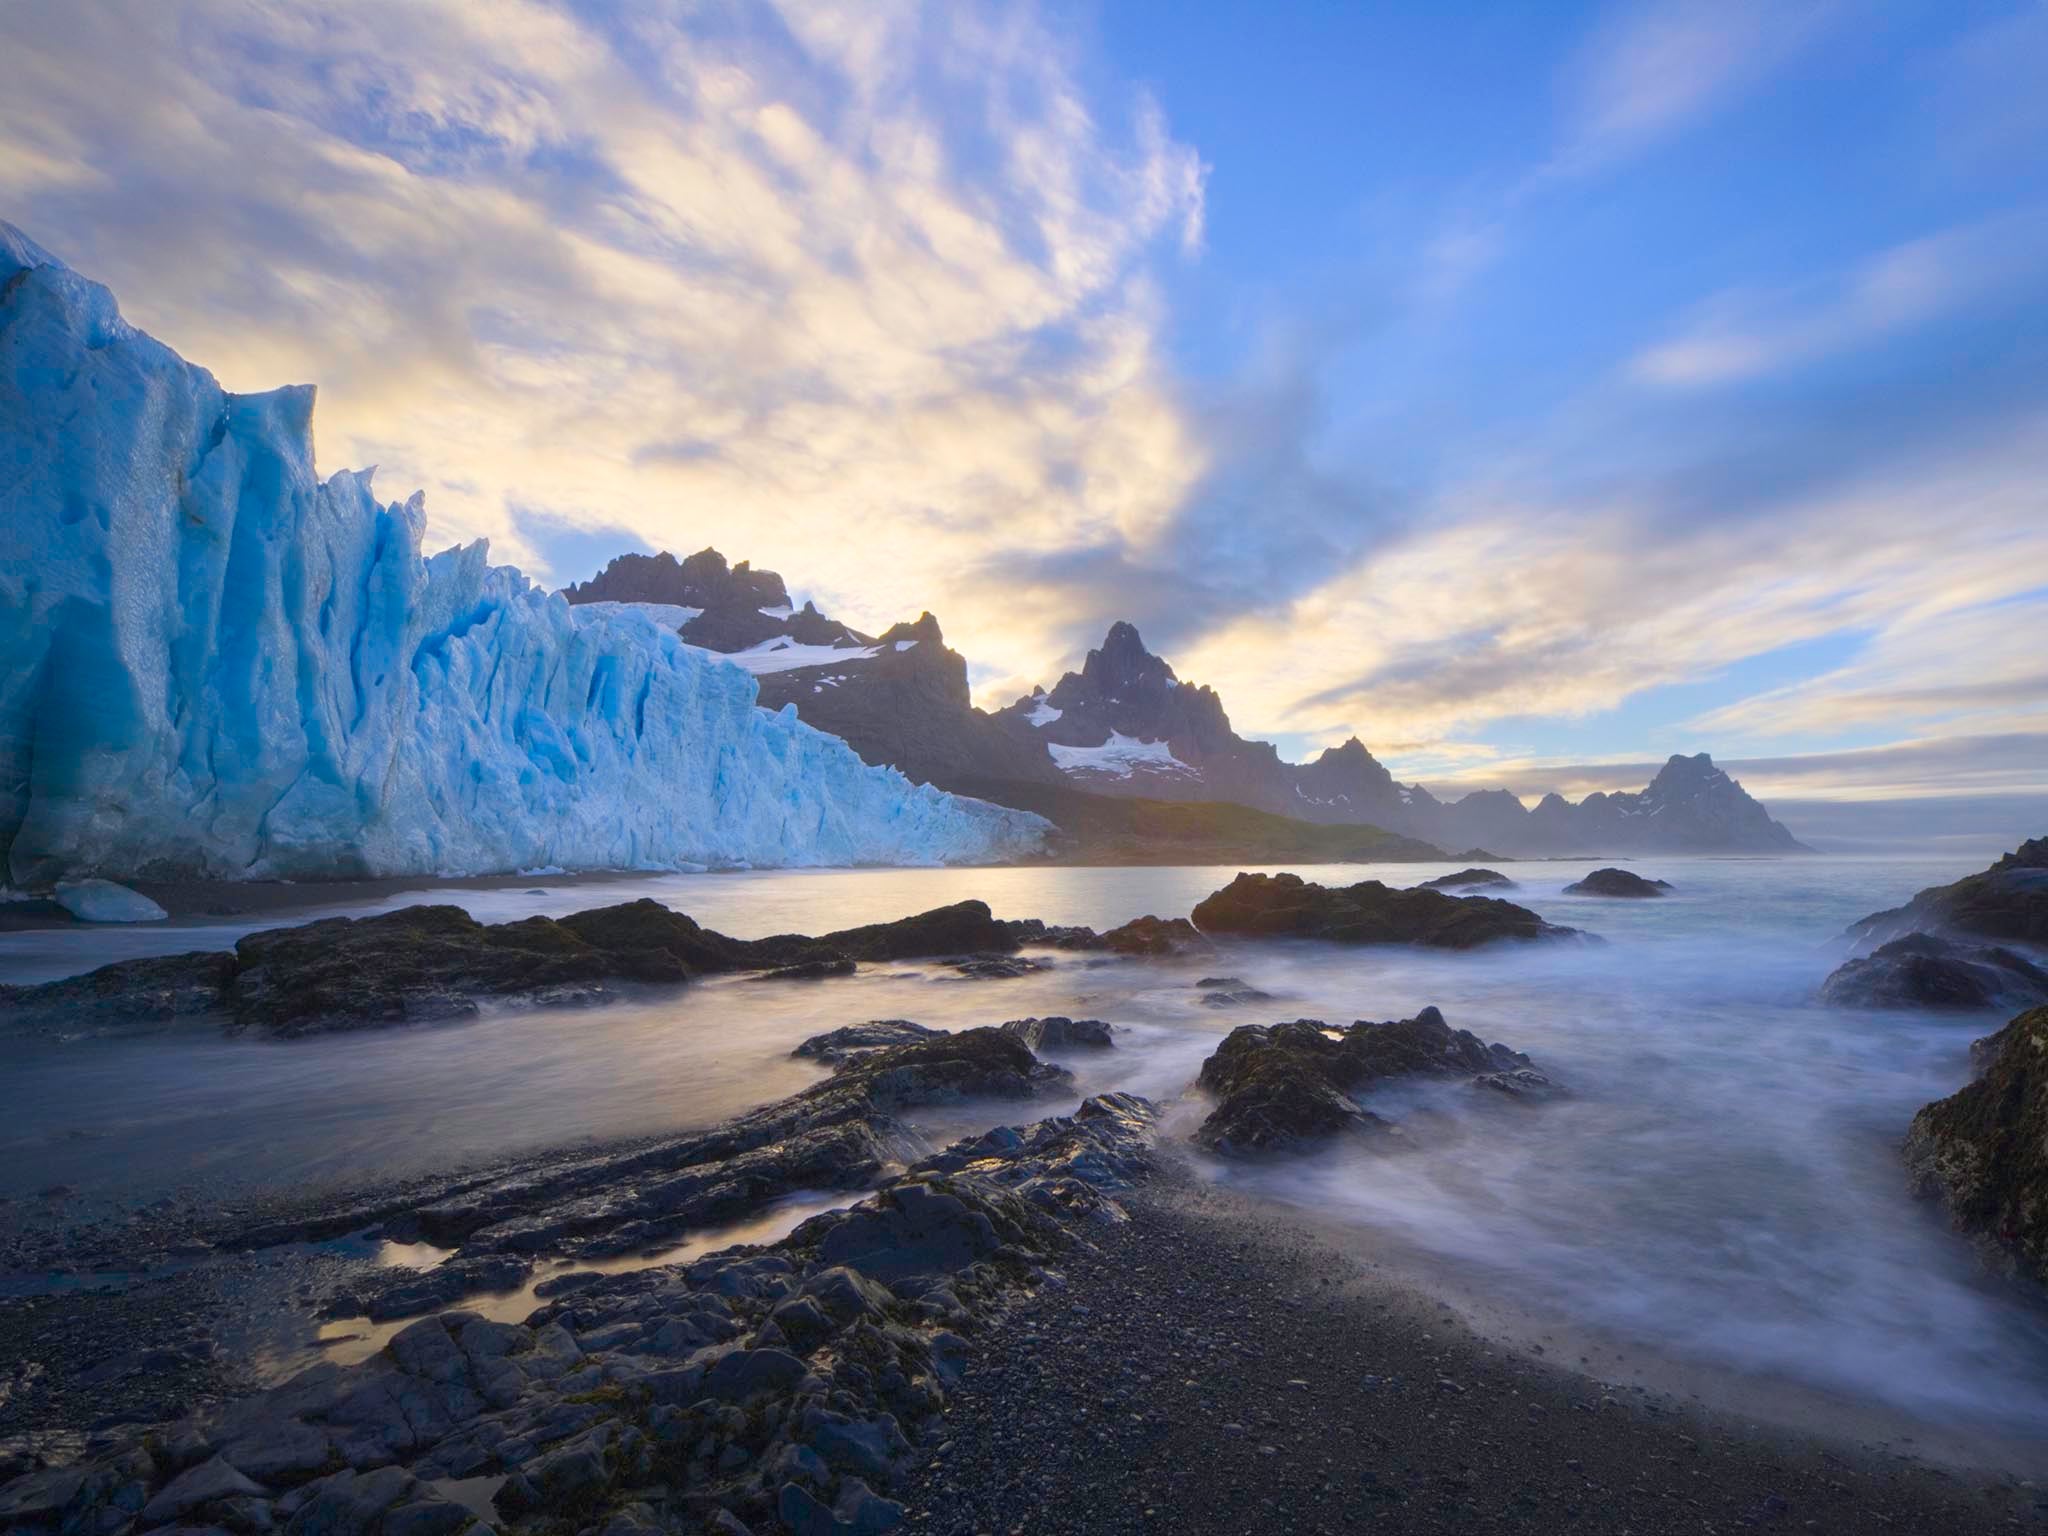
(1721, 1187)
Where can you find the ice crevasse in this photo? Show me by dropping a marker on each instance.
(214, 664)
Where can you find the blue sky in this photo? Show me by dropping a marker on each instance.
(1530, 389)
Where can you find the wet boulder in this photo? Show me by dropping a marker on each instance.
(1284, 1087)
(855, 1040)
(1923, 970)
(1287, 906)
(1983, 1151)
(1160, 936)
(1059, 1033)
(1617, 882)
(1468, 880)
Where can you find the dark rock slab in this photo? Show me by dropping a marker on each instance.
(1923, 970)
(1617, 882)
(1983, 1151)
(1155, 936)
(1287, 906)
(436, 961)
(151, 991)
(1284, 1087)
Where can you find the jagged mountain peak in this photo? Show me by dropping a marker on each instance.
(1121, 663)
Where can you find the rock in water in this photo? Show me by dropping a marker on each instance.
(2007, 902)
(102, 901)
(1923, 971)
(1616, 882)
(197, 621)
(1287, 906)
(1061, 1034)
(1282, 1087)
(1984, 1150)
(1469, 879)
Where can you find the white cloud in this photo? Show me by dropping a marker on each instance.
(840, 288)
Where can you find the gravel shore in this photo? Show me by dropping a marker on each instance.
(1215, 1367)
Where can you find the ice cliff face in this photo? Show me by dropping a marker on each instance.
(213, 663)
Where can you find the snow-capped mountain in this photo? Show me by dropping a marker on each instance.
(898, 698)
(213, 663)
(1126, 725)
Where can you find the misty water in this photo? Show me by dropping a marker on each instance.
(1721, 1188)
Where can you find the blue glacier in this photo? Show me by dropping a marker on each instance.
(214, 664)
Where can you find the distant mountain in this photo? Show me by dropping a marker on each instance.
(1126, 727)
(900, 697)
(1125, 724)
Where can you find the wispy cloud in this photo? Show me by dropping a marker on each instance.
(1651, 70)
(866, 279)
(1739, 335)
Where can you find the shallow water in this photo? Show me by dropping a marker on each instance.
(1722, 1185)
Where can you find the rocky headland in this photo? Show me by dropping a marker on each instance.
(1977, 943)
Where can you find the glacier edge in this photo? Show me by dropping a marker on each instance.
(218, 665)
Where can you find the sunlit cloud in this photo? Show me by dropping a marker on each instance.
(865, 279)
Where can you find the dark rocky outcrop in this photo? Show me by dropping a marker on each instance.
(757, 1385)
(1469, 879)
(2007, 902)
(1617, 882)
(434, 962)
(1923, 970)
(1984, 1150)
(844, 1044)
(1282, 1087)
(1286, 906)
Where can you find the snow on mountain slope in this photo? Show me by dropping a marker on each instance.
(1120, 757)
(213, 663)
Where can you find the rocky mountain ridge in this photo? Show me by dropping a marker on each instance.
(1127, 727)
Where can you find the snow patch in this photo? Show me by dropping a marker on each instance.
(1120, 757)
(904, 645)
(783, 654)
(1044, 714)
(782, 611)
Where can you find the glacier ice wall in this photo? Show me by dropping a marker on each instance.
(214, 664)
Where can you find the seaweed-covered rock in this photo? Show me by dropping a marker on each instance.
(1984, 1150)
(1287, 906)
(1923, 970)
(1617, 882)
(2007, 902)
(1469, 879)
(1280, 1087)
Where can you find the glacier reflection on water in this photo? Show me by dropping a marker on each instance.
(1722, 1185)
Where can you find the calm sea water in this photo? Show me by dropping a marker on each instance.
(1722, 1184)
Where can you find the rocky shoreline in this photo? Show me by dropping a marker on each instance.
(1052, 1325)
